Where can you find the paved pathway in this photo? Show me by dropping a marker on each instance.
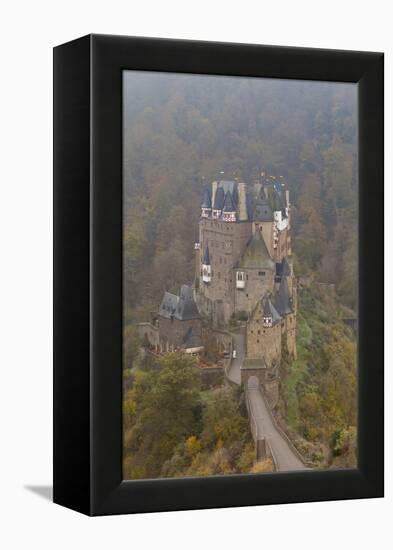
(285, 457)
(234, 368)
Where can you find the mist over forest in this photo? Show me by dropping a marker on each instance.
(182, 131)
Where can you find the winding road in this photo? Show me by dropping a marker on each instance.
(285, 457)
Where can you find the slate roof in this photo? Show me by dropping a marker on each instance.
(276, 197)
(207, 199)
(283, 300)
(191, 340)
(206, 256)
(228, 203)
(256, 255)
(186, 306)
(227, 185)
(286, 270)
(262, 210)
(269, 310)
(283, 269)
(253, 364)
(182, 307)
(219, 199)
(168, 305)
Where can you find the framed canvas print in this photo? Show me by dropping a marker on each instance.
(218, 275)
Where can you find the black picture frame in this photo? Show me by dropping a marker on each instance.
(88, 274)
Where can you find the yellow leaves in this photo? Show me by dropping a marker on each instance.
(263, 466)
(193, 445)
(129, 407)
(310, 404)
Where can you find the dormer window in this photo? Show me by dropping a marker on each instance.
(267, 322)
(240, 280)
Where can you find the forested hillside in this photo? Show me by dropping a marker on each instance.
(174, 426)
(181, 131)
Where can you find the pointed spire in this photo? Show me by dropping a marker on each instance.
(219, 199)
(256, 254)
(228, 203)
(284, 300)
(269, 312)
(206, 201)
(286, 270)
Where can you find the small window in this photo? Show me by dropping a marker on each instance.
(261, 273)
(257, 341)
(259, 332)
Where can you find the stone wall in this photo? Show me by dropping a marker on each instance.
(266, 229)
(283, 246)
(226, 243)
(149, 331)
(257, 282)
(264, 342)
(173, 331)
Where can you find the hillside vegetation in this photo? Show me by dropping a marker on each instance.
(174, 427)
(319, 389)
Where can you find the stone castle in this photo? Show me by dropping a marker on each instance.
(243, 273)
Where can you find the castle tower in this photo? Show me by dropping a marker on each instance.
(254, 274)
(264, 333)
(243, 214)
(225, 237)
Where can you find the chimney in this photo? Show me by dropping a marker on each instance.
(242, 203)
(214, 189)
(287, 196)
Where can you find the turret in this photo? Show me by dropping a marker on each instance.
(206, 206)
(243, 216)
(218, 202)
(229, 209)
(206, 267)
(270, 314)
(213, 194)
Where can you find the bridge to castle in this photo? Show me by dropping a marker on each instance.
(263, 425)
